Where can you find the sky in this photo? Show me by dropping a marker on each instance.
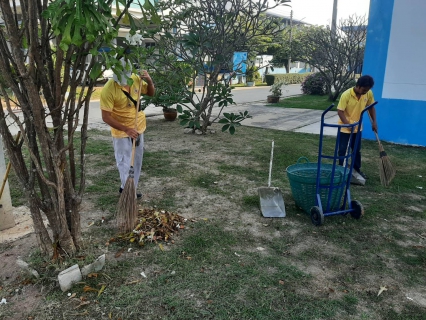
(320, 11)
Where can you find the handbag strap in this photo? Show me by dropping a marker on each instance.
(130, 97)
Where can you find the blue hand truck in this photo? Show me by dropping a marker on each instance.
(341, 188)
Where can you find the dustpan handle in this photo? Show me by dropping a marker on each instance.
(270, 164)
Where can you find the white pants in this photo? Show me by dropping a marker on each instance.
(123, 154)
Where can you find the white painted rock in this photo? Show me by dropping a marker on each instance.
(95, 266)
(68, 277)
(24, 266)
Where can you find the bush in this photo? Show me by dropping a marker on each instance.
(314, 84)
(289, 78)
(252, 74)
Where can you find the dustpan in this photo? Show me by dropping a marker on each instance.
(271, 199)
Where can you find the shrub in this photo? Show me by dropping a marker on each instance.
(289, 78)
(314, 84)
(252, 74)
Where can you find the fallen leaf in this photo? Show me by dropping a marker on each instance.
(331, 290)
(161, 247)
(381, 290)
(72, 296)
(101, 290)
(281, 282)
(91, 224)
(110, 315)
(92, 275)
(83, 303)
(88, 288)
(119, 253)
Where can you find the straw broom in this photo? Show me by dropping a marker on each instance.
(386, 169)
(127, 212)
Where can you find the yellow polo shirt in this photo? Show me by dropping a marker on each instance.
(122, 108)
(353, 107)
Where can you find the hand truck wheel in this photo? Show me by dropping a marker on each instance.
(317, 217)
(357, 209)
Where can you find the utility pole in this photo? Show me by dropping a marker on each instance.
(291, 38)
(334, 19)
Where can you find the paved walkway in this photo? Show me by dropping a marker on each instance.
(266, 116)
(263, 115)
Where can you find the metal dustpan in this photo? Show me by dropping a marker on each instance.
(271, 199)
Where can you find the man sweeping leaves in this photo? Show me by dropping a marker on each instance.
(352, 102)
(119, 111)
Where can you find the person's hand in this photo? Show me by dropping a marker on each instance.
(146, 77)
(374, 126)
(132, 133)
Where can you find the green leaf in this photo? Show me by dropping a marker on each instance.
(232, 130)
(184, 122)
(223, 120)
(225, 127)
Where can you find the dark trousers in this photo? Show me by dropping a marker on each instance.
(343, 145)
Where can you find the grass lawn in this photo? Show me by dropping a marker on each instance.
(231, 263)
(306, 102)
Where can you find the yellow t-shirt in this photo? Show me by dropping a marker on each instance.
(353, 107)
(122, 108)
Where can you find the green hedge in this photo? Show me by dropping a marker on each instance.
(290, 78)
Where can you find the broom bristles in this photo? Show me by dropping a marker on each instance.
(386, 169)
(127, 213)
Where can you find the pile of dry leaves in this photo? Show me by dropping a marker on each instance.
(153, 226)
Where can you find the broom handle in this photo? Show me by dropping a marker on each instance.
(377, 136)
(136, 122)
(8, 168)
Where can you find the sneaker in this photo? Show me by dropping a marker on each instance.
(362, 174)
(138, 195)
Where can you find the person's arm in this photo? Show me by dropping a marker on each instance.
(150, 88)
(342, 116)
(372, 112)
(108, 119)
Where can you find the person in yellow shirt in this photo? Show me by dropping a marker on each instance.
(352, 102)
(118, 106)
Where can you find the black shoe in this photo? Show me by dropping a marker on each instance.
(362, 174)
(138, 195)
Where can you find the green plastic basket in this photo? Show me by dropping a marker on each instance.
(303, 180)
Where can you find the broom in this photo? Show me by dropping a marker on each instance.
(386, 169)
(127, 212)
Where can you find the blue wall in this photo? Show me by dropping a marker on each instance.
(399, 121)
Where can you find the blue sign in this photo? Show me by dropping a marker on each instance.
(239, 62)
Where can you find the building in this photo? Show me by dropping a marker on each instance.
(396, 41)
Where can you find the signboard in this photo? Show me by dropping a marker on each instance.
(239, 62)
